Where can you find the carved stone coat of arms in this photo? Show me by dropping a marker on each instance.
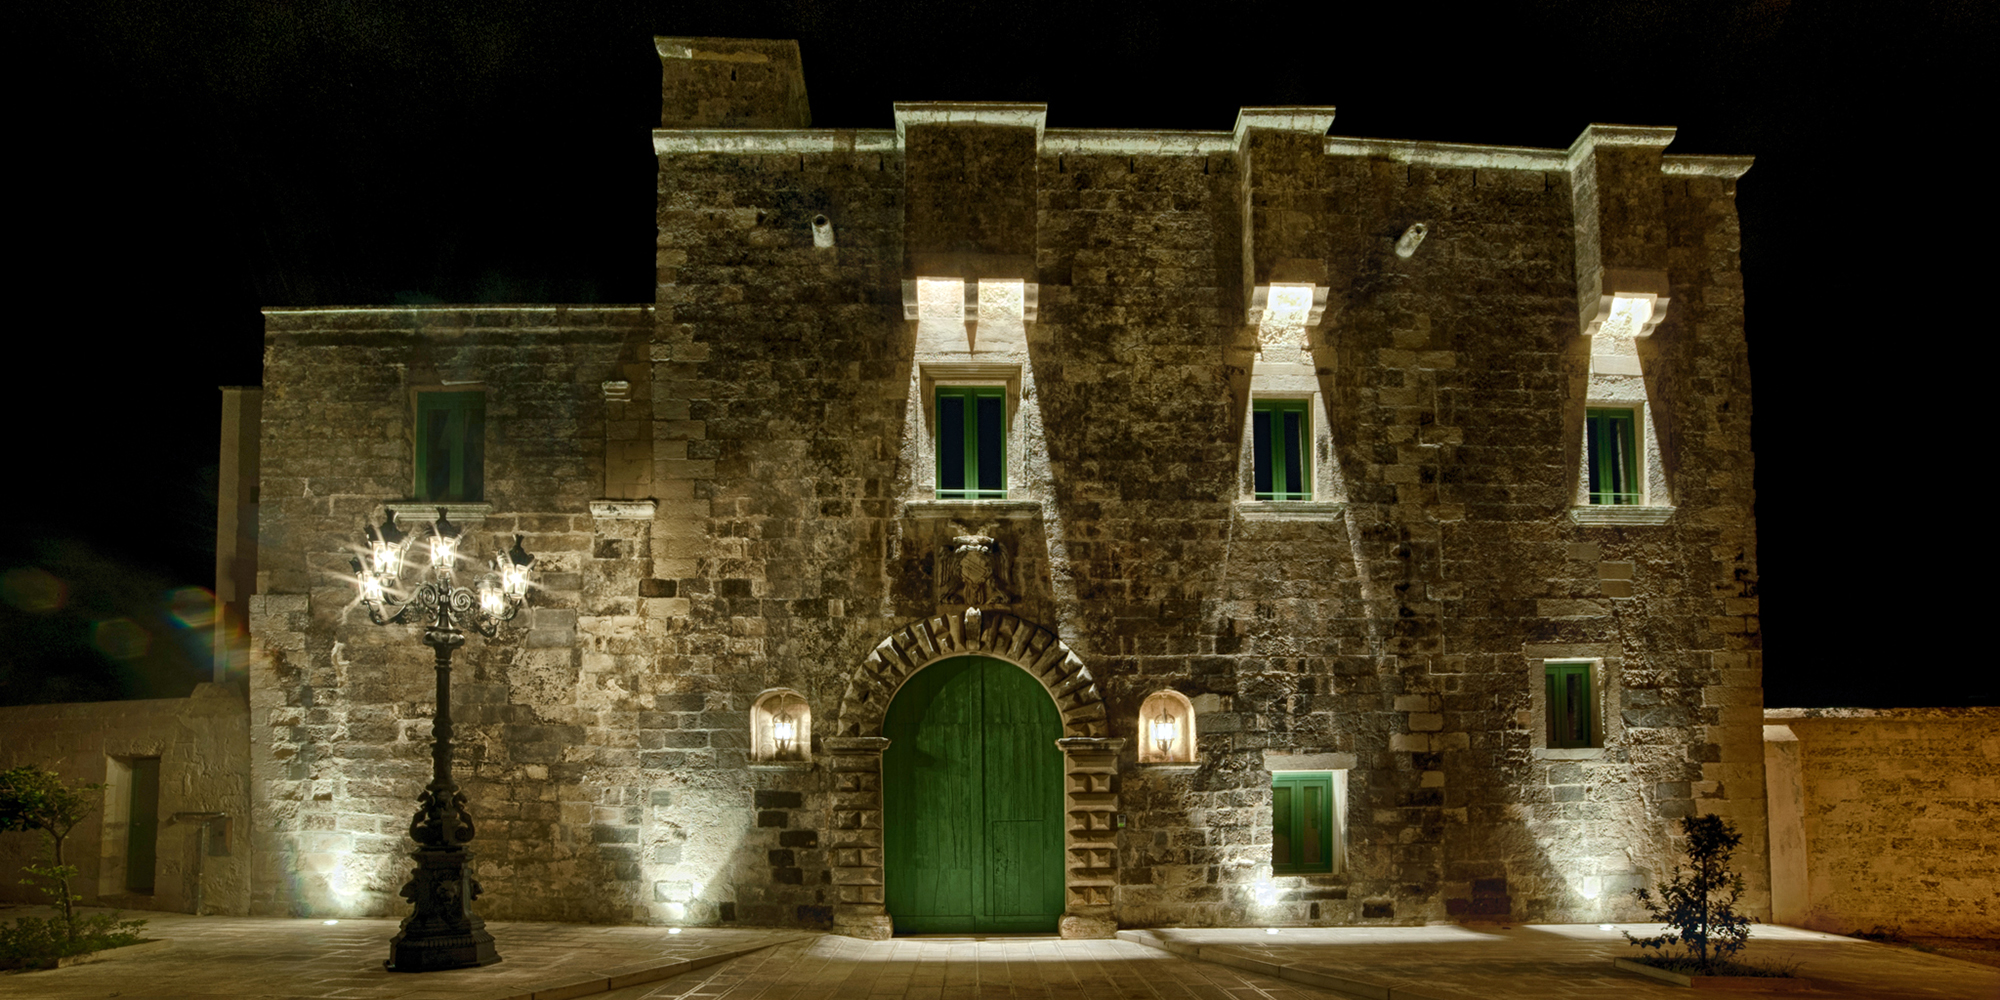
(974, 572)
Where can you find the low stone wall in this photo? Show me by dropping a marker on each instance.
(203, 744)
(1885, 818)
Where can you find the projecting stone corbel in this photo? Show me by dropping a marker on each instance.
(1014, 303)
(1291, 298)
(1632, 303)
(1291, 302)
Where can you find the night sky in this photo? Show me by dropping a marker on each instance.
(180, 165)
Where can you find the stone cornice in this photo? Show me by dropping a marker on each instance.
(1308, 119)
(971, 113)
(757, 140)
(287, 319)
(1177, 142)
(1598, 134)
(1725, 167)
(1135, 142)
(1450, 154)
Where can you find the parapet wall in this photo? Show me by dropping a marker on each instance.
(1885, 818)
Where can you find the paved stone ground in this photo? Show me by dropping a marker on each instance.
(275, 959)
(1562, 962)
(930, 968)
(278, 959)
(1565, 961)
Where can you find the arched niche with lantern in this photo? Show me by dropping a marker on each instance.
(780, 728)
(1166, 729)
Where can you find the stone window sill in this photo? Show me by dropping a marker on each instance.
(1568, 753)
(985, 510)
(1290, 510)
(1620, 514)
(414, 512)
(781, 765)
(1171, 765)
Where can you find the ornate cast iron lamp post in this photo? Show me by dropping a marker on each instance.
(441, 932)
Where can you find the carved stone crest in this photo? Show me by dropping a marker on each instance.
(974, 571)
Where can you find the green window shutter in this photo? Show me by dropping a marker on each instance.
(1613, 451)
(972, 442)
(1302, 823)
(451, 446)
(1281, 448)
(1569, 705)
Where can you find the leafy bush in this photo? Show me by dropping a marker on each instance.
(1698, 904)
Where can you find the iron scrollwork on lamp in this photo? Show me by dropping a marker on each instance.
(441, 932)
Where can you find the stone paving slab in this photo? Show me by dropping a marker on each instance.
(281, 959)
(988, 968)
(1552, 960)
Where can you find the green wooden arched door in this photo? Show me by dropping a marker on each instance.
(972, 801)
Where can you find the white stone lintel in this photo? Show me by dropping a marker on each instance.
(623, 510)
(1286, 760)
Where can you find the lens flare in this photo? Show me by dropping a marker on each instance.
(120, 638)
(33, 589)
(191, 607)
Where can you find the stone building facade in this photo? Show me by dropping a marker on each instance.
(978, 391)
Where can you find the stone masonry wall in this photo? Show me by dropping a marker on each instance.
(1895, 819)
(341, 709)
(1394, 631)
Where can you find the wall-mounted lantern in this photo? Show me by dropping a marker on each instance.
(1166, 723)
(780, 727)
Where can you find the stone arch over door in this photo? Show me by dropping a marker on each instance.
(1090, 759)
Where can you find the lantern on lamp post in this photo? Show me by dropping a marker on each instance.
(441, 932)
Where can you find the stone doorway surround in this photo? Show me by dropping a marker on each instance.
(1090, 759)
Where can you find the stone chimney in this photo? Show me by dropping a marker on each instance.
(732, 83)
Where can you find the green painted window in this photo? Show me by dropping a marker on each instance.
(1281, 442)
(972, 442)
(1568, 704)
(1614, 465)
(1302, 817)
(451, 446)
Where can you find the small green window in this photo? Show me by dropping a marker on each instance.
(1569, 705)
(972, 442)
(1614, 466)
(451, 446)
(1302, 822)
(1281, 444)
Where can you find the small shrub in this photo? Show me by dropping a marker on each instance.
(34, 799)
(1687, 966)
(1698, 904)
(37, 942)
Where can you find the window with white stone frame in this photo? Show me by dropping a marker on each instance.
(970, 449)
(974, 431)
(1620, 478)
(1573, 697)
(1308, 812)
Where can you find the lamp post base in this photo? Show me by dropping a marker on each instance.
(442, 933)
